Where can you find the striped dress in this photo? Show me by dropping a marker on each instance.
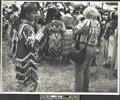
(25, 59)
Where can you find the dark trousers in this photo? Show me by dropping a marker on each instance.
(82, 70)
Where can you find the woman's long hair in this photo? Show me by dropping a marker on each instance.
(52, 14)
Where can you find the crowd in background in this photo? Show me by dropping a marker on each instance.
(106, 18)
(46, 12)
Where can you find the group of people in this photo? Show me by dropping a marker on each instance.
(58, 34)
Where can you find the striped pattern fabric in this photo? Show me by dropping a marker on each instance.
(94, 31)
(26, 72)
(68, 41)
(26, 60)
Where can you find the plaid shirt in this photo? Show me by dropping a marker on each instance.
(94, 30)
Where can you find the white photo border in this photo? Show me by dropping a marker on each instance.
(64, 93)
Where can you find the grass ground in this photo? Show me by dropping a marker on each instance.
(59, 78)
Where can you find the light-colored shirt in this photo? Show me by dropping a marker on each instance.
(94, 31)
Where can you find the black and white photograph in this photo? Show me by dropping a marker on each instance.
(57, 97)
(60, 46)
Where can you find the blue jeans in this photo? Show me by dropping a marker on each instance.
(82, 70)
